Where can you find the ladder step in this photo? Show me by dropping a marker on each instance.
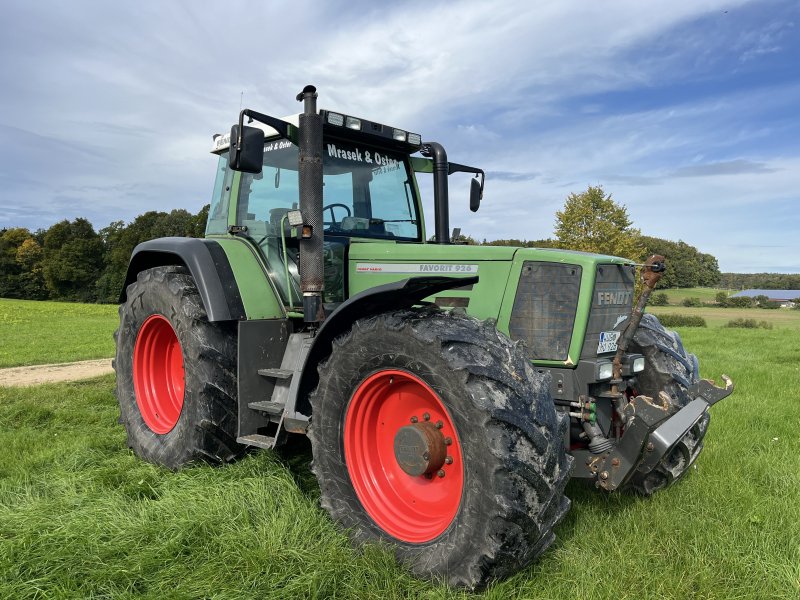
(272, 408)
(262, 441)
(276, 373)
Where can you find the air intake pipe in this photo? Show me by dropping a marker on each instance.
(312, 279)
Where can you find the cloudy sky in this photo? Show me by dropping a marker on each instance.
(687, 111)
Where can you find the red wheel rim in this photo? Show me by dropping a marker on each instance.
(410, 508)
(158, 378)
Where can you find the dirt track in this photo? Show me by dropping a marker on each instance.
(38, 374)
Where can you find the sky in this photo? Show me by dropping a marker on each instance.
(687, 111)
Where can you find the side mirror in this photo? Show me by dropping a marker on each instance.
(475, 194)
(247, 156)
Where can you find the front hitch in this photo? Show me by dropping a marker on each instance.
(651, 433)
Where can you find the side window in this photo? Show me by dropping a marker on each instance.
(391, 205)
(218, 213)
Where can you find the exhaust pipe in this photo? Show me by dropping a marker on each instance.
(440, 193)
(312, 280)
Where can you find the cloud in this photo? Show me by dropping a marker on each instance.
(108, 108)
(731, 167)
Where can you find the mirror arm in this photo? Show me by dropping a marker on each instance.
(282, 127)
(457, 168)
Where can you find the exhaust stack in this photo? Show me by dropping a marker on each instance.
(310, 179)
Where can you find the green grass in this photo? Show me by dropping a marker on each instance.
(80, 516)
(717, 317)
(706, 294)
(34, 332)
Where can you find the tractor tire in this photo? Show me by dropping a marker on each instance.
(668, 367)
(403, 389)
(176, 373)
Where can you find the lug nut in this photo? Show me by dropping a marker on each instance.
(439, 424)
(604, 475)
(650, 447)
(414, 419)
(426, 455)
(448, 441)
(440, 473)
(448, 460)
(426, 416)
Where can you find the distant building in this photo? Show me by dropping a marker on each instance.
(786, 298)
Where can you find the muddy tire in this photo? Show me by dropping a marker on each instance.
(176, 373)
(671, 368)
(401, 389)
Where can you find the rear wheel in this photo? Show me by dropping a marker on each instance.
(669, 367)
(176, 373)
(432, 431)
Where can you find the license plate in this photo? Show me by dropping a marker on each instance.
(608, 341)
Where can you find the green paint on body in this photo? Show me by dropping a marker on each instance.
(498, 268)
(258, 296)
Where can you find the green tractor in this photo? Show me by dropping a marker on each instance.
(449, 391)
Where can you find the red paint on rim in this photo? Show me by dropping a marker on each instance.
(158, 377)
(411, 509)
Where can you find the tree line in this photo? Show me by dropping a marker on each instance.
(72, 261)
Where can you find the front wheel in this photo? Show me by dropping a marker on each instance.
(176, 373)
(431, 431)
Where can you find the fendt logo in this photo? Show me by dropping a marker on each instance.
(614, 297)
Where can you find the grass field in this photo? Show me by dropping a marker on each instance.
(33, 333)
(706, 294)
(80, 516)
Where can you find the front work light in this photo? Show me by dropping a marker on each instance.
(638, 365)
(399, 135)
(353, 123)
(604, 371)
(335, 119)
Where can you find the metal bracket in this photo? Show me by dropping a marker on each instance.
(709, 392)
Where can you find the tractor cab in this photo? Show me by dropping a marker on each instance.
(369, 192)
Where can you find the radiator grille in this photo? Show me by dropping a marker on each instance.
(612, 301)
(544, 308)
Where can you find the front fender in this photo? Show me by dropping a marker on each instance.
(379, 299)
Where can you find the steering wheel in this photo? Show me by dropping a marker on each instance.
(333, 222)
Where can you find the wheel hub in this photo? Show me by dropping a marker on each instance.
(420, 448)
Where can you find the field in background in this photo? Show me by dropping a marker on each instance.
(677, 295)
(34, 332)
(80, 516)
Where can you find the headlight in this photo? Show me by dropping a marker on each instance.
(638, 365)
(604, 371)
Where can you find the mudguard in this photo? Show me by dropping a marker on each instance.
(208, 265)
(382, 298)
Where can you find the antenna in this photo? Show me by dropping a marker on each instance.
(241, 99)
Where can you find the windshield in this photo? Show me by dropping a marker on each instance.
(366, 192)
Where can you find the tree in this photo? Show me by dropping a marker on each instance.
(73, 257)
(686, 265)
(593, 222)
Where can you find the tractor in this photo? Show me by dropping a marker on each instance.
(449, 391)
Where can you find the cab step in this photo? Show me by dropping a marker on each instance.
(271, 408)
(256, 439)
(276, 373)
